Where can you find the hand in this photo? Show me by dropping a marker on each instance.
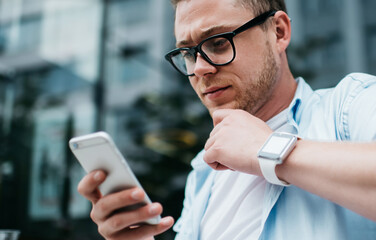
(235, 140)
(121, 225)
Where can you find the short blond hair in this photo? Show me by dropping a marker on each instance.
(257, 6)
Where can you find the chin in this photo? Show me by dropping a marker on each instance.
(224, 106)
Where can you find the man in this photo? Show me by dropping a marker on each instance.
(320, 185)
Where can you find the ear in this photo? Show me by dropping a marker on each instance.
(282, 28)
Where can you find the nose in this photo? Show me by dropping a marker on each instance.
(202, 67)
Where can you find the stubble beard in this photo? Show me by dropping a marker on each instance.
(260, 89)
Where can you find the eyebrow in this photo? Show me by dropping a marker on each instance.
(205, 34)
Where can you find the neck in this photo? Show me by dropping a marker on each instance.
(281, 98)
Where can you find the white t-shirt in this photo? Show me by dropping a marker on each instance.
(236, 202)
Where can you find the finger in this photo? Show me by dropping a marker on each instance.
(88, 186)
(111, 202)
(212, 158)
(149, 230)
(144, 231)
(219, 167)
(122, 220)
(216, 129)
(209, 143)
(213, 136)
(220, 114)
(213, 154)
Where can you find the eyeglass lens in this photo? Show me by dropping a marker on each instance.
(218, 50)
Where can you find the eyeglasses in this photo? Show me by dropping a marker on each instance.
(218, 50)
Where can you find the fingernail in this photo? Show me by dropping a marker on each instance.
(97, 176)
(153, 209)
(136, 194)
(166, 221)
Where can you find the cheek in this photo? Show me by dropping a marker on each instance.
(248, 60)
(250, 55)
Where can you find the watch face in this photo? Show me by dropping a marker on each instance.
(277, 146)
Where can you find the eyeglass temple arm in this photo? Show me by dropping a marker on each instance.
(256, 21)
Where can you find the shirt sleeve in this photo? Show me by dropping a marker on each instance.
(187, 203)
(359, 110)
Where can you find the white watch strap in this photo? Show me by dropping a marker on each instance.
(268, 171)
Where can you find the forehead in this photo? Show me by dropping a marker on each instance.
(196, 19)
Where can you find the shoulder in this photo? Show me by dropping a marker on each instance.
(350, 85)
(355, 83)
(360, 78)
(357, 95)
(356, 89)
(348, 89)
(341, 111)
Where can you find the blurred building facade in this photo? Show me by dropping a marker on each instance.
(332, 38)
(73, 67)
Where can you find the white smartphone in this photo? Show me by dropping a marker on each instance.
(98, 151)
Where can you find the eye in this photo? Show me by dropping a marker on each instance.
(216, 45)
(220, 42)
(188, 56)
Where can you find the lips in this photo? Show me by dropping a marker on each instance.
(216, 94)
(213, 90)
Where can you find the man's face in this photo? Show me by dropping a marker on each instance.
(246, 83)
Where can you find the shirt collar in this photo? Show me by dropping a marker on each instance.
(302, 93)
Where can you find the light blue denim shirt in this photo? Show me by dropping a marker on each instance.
(344, 113)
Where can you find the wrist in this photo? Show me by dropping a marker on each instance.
(272, 155)
(283, 171)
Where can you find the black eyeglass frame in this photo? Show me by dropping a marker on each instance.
(228, 35)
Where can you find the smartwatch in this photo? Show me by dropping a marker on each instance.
(274, 152)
